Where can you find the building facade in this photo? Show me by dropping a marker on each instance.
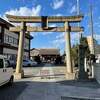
(89, 40)
(96, 48)
(45, 53)
(9, 41)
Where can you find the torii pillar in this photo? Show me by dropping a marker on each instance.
(69, 68)
(68, 48)
(19, 72)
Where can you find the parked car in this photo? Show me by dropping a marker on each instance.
(12, 63)
(6, 73)
(29, 63)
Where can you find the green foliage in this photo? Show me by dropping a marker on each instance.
(75, 49)
(84, 43)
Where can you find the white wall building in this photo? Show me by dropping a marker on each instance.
(9, 41)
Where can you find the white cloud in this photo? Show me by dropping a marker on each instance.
(73, 9)
(74, 38)
(57, 42)
(52, 25)
(59, 14)
(96, 24)
(97, 37)
(57, 4)
(34, 34)
(46, 33)
(61, 35)
(60, 39)
(24, 11)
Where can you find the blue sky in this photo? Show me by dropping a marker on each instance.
(53, 8)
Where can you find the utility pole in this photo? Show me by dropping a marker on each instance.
(92, 51)
(78, 12)
(78, 7)
(81, 52)
(91, 29)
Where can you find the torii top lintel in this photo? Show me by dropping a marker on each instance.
(39, 19)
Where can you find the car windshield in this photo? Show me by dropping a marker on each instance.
(28, 60)
(25, 60)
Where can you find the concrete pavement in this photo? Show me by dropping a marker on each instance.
(56, 88)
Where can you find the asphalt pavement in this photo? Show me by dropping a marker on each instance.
(54, 87)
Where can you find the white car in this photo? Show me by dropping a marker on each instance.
(6, 73)
(29, 63)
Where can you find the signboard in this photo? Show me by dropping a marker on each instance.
(44, 73)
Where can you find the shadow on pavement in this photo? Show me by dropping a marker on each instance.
(86, 83)
(40, 65)
(15, 91)
(58, 65)
(12, 92)
(18, 89)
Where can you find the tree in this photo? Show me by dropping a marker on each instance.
(83, 41)
(74, 55)
(75, 50)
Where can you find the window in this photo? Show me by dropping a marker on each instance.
(1, 63)
(7, 63)
(6, 38)
(10, 39)
(15, 41)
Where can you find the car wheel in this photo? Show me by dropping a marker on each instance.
(11, 80)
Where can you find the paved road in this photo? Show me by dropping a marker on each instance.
(37, 88)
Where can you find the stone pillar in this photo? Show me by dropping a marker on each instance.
(82, 75)
(19, 72)
(68, 49)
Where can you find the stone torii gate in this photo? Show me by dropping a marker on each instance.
(44, 20)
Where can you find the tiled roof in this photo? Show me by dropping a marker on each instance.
(49, 51)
